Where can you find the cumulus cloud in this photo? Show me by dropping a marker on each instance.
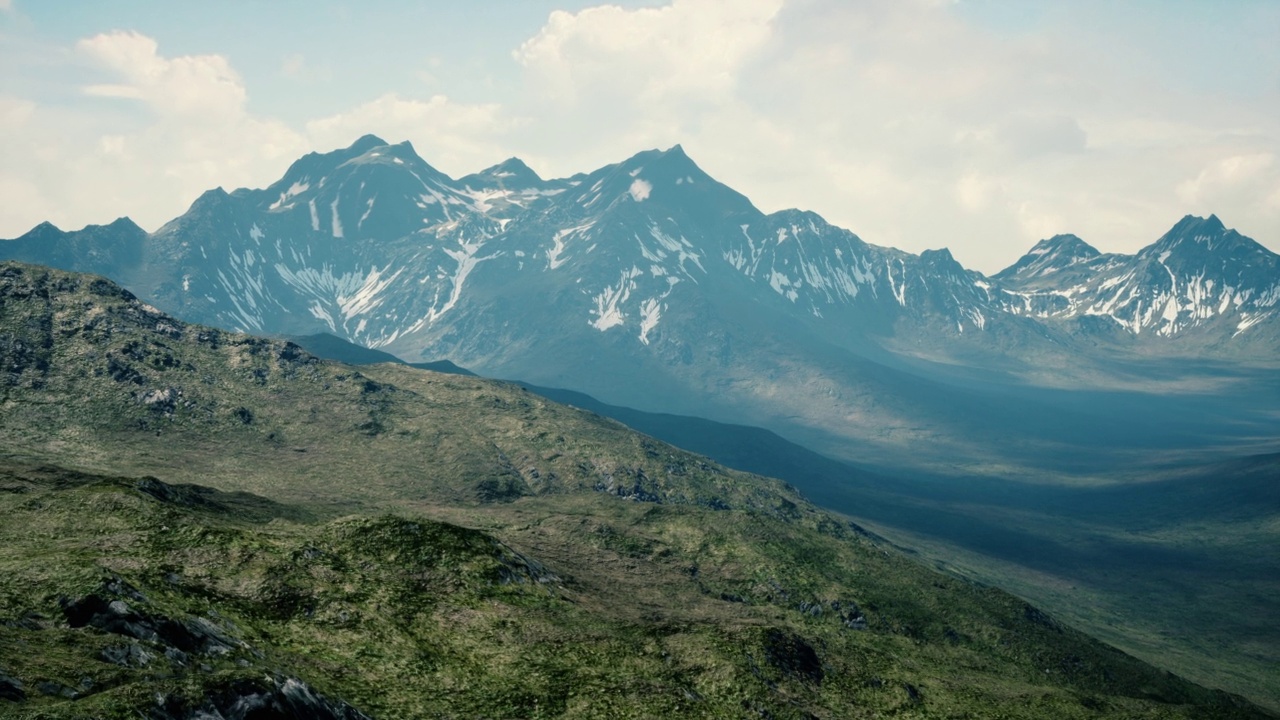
(690, 50)
(182, 129)
(902, 120)
(200, 88)
(605, 82)
(1228, 175)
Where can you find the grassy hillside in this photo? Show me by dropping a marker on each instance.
(1129, 562)
(196, 518)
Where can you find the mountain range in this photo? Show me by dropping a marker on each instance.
(650, 284)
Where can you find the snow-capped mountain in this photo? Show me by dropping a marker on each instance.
(374, 244)
(649, 283)
(1199, 276)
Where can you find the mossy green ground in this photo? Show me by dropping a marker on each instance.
(421, 545)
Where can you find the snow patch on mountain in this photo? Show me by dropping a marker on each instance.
(294, 190)
(337, 221)
(899, 289)
(367, 296)
(681, 248)
(368, 209)
(640, 190)
(783, 285)
(608, 312)
(650, 314)
(466, 255)
(559, 243)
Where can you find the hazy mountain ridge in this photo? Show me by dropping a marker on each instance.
(372, 243)
(1198, 276)
(649, 284)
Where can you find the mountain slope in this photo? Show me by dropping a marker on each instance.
(608, 574)
(1107, 557)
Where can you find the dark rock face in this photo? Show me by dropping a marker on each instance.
(793, 656)
(272, 698)
(118, 617)
(119, 609)
(129, 655)
(11, 688)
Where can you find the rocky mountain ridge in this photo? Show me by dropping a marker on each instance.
(650, 284)
(372, 243)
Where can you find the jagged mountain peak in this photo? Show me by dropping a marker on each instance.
(1199, 275)
(1197, 246)
(510, 174)
(941, 257)
(217, 194)
(1191, 231)
(366, 143)
(804, 226)
(512, 165)
(1050, 256)
(671, 180)
(1191, 225)
(124, 223)
(672, 163)
(1066, 243)
(314, 160)
(401, 153)
(208, 201)
(45, 229)
(314, 170)
(48, 231)
(213, 208)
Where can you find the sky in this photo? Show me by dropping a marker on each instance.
(977, 125)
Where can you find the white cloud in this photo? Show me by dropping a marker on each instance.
(90, 164)
(901, 120)
(974, 192)
(1228, 175)
(200, 88)
(607, 82)
(692, 49)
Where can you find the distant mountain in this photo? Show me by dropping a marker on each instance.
(1199, 279)
(649, 284)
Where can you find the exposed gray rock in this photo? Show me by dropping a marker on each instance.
(281, 698)
(11, 688)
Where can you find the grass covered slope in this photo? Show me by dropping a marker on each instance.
(398, 543)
